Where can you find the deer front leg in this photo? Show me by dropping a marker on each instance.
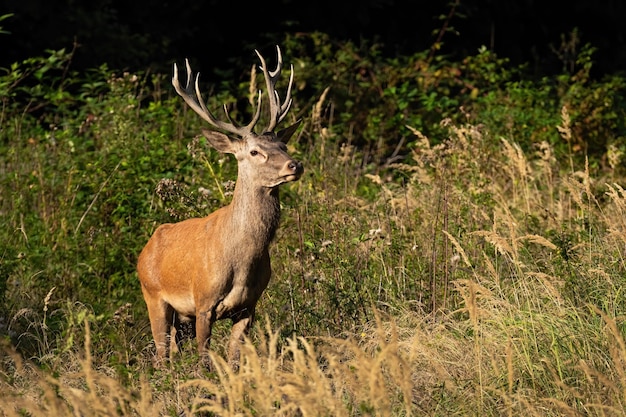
(241, 326)
(204, 327)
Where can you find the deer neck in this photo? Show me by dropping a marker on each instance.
(255, 212)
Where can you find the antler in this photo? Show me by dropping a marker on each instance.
(192, 96)
(277, 111)
(194, 99)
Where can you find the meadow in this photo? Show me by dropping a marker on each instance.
(456, 245)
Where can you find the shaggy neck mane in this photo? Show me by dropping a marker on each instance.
(255, 212)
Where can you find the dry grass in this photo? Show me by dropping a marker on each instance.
(488, 364)
(524, 267)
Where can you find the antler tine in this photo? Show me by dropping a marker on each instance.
(257, 113)
(277, 111)
(284, 109)
(193, 98)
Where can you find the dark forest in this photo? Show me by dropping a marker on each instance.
(145, 34)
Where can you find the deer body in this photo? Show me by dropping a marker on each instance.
(217, 267)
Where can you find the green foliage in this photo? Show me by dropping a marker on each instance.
(5, 17)
(372, 99)
(452, 190)
(79, 176)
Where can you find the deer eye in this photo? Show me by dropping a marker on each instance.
(254, 153)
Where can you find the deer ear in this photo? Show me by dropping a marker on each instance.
(285, 134)
(219, 141)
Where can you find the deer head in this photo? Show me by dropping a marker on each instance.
(263, 152)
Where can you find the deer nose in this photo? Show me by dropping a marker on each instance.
(296, 167)
(292, 170)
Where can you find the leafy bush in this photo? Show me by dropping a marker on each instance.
(372, 100)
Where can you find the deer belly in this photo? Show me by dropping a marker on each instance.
(184, 304)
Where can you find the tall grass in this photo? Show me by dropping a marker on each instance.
(477, 276)
(513, 307)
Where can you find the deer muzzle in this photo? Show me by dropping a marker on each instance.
(292, 170)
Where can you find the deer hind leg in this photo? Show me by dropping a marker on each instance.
(160, 314)
(242, 322)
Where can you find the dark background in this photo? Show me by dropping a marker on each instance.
(142, 34)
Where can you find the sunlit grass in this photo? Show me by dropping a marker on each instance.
(491, 281)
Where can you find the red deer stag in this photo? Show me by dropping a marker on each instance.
(216, 267)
